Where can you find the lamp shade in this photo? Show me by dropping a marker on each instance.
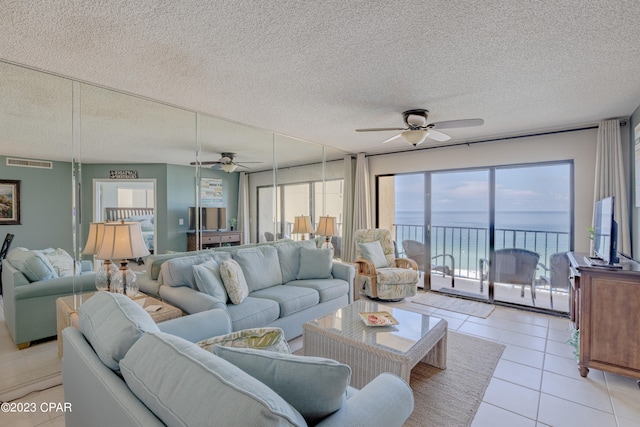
(96, 234)
(228, 167)
(415, 137)
(302, 224)
(122, 241)
(327, 226)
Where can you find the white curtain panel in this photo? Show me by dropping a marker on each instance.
(348, 250)
(243, 207)
(611, 178)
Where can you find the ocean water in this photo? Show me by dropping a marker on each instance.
(465, 235)
(531, 221)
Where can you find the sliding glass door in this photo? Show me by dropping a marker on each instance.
(532, 235)
(495, 233)
(460, 232)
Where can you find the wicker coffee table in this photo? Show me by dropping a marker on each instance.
(371, 350)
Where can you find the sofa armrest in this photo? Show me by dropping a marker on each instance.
(199, 326)
(190, 300)
(59, 286)
(343, 271)
(385, 401)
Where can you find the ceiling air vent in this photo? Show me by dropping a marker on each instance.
(28, 163)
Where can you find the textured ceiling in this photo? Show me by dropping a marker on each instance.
(317, 70)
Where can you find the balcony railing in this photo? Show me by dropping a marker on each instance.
(469, 244)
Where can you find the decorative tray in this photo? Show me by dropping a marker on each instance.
(377, 318)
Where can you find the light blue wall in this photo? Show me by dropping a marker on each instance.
(181, 188)
(45, 206)
(45, 199)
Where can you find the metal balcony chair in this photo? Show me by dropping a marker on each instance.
(558, 274)
(513, 266)
(417, 251)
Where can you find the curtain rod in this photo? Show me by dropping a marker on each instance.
(623, 122)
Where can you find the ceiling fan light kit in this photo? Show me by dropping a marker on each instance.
(417, 129)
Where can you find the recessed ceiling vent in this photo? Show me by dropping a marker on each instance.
(28, 163)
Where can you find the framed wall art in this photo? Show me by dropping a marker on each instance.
(9, 202)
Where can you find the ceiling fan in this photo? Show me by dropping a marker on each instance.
(225, 162)
(417, 130)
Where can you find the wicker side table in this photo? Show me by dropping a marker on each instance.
(68, 316)
(370, 350)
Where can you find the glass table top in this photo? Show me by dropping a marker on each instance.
(399, 338)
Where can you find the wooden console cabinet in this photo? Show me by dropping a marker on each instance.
(605, 304)
(214, 239)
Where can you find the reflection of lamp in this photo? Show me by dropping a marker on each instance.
(228, 167)
(123, 240)
(302, 225)
(415, 137)
(327, 228)
(107, 270)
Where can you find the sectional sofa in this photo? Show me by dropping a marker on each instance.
(32, 280)
(287, 283)
(122, 369)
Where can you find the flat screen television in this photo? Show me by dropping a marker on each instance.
(605, 244)
(211, 218)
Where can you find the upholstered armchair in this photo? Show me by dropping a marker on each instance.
(378, 271)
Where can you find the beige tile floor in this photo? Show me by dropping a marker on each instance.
(536, 382)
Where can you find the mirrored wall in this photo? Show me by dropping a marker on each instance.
(119, 150)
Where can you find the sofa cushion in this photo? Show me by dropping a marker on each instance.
(187, 386)
(61, 261)
(261, 267)
(208, 279)
(315, 264)
(290, 299)
(234, 281)
(315, 386)
(269, 339)
(112, 323)
(328, 289)
(289, 257)
(179, 271)
(253, 313)
(372, 251)
(33, 264)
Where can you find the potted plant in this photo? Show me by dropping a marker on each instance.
(233, 222)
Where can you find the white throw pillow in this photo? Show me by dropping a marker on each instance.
(234, 281)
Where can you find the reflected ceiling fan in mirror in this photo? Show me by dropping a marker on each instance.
(417, 130)
(226, 163)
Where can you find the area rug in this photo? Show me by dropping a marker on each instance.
(451, 397)
(459, 305)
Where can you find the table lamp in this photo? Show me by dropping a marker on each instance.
(123, 240)
(302, 225)
(327, 228)
(108, 269)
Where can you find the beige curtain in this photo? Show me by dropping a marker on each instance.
(243, 207)
(347, 251)
(361, 198)
(611, 178)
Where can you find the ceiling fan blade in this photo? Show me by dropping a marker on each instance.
(438, 136)
(450, 124)
(393, 138)
(378, 129)
(204, 163)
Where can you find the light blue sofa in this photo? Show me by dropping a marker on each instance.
(287, 283)
(122, 369)
(30, 289)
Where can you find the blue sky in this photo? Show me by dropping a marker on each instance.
(535, 188)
